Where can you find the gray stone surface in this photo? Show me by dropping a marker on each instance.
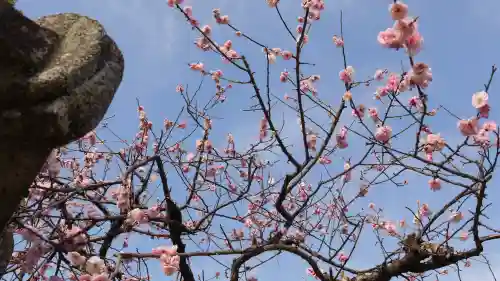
(59, 76)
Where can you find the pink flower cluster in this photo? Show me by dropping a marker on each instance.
(139, 216)
(435, 184)
(433, 143)
(383, 134)
(338, 41)
(74, 238)
(419, 75)
(480, 135)
(315, 7)
(95, 267)
(347, 75)
(307, 85)
(122, 196)
(168, 258)
(172, 3)
(228, 51)
(359, 111)
(273, 53)
(480, 102)
(404, 33)
(220, 19)
(471, 128)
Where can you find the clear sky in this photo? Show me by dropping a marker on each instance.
(461, 43)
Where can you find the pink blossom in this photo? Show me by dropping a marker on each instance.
(299, 28)
(479, 99)
(402, 223)
(196, 66)
(311, 141)
(271, 54)
(165, 250)
(324, 160)
(188, 10)
(348, 172)
(153, 212)
(95, 265)
(424, 210)
(398, 10)
(137, 216)
(391, 38)
(359, 112)
(390, 227)
(272, 3)
(456, 216)
(373, 112)
(220, 19)
(204, 145)
(286, 55)
(468, 127)
(406, 26)
(428, 156)
(76, 259)
(379, 75)
(248, 222)
(122, 197)
(482, 138)
(420, 75)
(490, 126)
(227, 45)
(434, 142)
(343, 257)
(383, 91)
(464, 236)
(314, 14)
(190, 157)
(307, 85)
(170, 264)
(216, 75)
(404, 33)
(347, 74)
(284, 76)
(393, 84)
(179, 89)
(415, 101)
(435, 184)
(338, 41)
(74, 238)
(342, 138)
(484, 111)
(414, 43)
(206, 29)
(383, 134)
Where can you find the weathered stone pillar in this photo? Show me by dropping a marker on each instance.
(58, 76)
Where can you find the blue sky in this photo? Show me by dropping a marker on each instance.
(461, 43)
